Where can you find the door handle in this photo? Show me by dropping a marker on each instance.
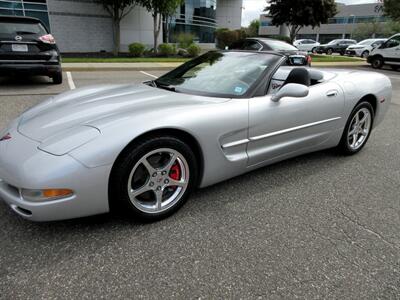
(332, 93)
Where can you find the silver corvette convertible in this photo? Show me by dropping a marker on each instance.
(143, 148)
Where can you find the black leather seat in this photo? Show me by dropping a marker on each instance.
(299, 76)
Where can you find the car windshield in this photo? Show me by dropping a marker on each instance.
(280, 46)
(10, 28)
(219, 74)
(366, 42)
(333, 42)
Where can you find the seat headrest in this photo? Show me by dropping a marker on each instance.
(299, 76)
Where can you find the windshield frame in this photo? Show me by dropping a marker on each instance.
(264, 77)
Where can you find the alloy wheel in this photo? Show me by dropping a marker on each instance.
(158, 180)
(359, 129)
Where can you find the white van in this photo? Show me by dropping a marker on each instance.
(386, 54)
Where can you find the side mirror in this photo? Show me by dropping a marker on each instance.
(291, 90)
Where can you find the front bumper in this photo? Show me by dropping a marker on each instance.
(354, 52)
(22, 165)
(46, 69)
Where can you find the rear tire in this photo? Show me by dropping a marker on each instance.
(358, 129)
(377, 62)
(57, 78)
(329, 51)
(141, 182)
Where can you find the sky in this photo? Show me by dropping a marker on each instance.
(253, 8)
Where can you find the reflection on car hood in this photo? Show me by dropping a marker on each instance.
(92, 104)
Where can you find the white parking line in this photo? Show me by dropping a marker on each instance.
(70, 81)
(145, 73)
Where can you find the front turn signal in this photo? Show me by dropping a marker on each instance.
(45, 195)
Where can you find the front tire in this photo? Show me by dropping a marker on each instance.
(365, 54)
(358, 129)
(57, 78)
(152, 179)
(377, 62)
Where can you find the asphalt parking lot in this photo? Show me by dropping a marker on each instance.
(317, 226)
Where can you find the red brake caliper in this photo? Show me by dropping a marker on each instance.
(175, 172)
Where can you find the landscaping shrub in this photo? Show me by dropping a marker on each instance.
(167, 49)
(136, 49)
(194, 50)
(185, 40)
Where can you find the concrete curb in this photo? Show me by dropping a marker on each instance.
(92, 67)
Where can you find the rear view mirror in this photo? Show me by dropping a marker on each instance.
(291, 90)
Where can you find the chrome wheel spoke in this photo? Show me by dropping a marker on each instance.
(355, 139)
(351, 132)
(362, 121)
(168, 167)
(148, 166)
(178, 183)
(159, 196)
(140, 191)
(357, 119)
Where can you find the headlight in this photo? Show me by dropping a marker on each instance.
(45, 195)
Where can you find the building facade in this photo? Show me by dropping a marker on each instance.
(342, 25)
(84, 26)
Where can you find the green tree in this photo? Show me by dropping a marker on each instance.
(300, 13)
(253, 29)
(369, 30)
(168, 14)
(118, 9)
(392, 9)
(159, 8)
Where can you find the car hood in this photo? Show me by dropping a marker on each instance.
(88, 106)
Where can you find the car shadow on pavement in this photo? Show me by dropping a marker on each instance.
(24, 80)
(209, 200)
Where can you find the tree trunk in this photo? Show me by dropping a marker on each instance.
(167, 23)
(116, 36)
(157, 19)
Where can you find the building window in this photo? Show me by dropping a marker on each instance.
(197, 17)
(30, 8)
(357, 19)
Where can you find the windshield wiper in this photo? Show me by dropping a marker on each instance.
(164, 86)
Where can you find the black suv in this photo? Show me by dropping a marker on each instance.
(335, 46)
(294, 55)
(27, 47)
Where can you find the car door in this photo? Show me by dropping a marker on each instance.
(391, 50)
(293, 124)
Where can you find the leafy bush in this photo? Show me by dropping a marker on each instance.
(226, 37)
(194, 50)
(184, 40)
(136, 49)
(167, 49)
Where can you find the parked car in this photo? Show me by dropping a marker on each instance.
(295, 56)
(306, 45)
(143, 148)
(364, 48)
(386, 54)
(27, 47)
(335, 46)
